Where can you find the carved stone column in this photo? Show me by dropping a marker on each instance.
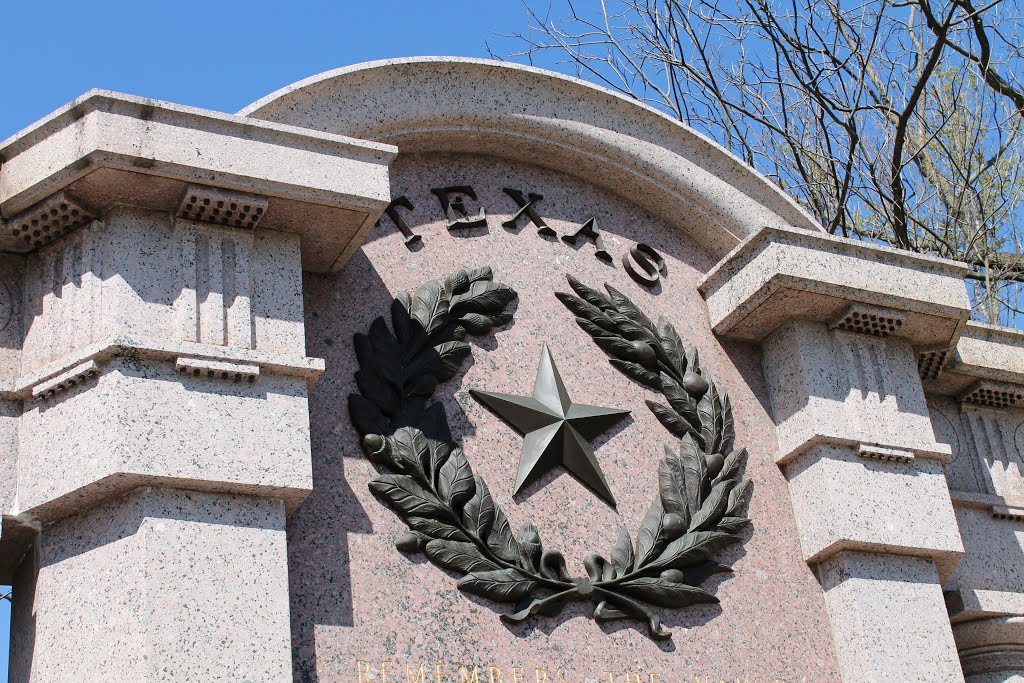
(976, 396)
(840, 322)
(153, 381)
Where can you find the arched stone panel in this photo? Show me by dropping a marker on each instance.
(511, 111)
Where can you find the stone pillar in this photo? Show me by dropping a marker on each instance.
(976, 398)
(153, 386)
(840, 324)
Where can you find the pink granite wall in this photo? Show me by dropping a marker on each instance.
(358, 605)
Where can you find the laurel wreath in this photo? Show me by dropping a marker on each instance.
(451, 515)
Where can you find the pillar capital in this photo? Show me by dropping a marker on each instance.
(107, 148)
(781, 274)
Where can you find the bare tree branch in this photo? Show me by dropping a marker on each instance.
(894, 121)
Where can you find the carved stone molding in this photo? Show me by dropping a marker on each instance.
(48, 220)
(108, 149)
(200, 367)
(1014, 513)
(1000, 508)
(873, 452)
(986, 357)
(50, 388)
(931, 362)
(217, 359)
(781, 274)
(991, 645)
(993, 394)
(222, 207)
(873, 320)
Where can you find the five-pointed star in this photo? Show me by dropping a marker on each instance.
(556, 430)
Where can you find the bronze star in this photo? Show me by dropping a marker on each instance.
(556, 430)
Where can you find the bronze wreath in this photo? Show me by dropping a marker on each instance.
(451, 515)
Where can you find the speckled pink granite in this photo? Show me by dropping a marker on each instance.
(354, 597)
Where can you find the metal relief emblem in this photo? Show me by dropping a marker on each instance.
(556, 430)
(428, 482)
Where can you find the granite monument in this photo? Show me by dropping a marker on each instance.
(445, 370)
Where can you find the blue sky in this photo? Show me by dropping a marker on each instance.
(219, 54)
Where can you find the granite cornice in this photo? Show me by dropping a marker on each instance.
(109, 101)
(966, 604)
(984, 356)
(169, 143)
(783, 273)
(945, 557)
(990, 352)
(1000, 508)
(721, 270)
(107, 149)
(119, 484)
(829, 435)
(143, 348)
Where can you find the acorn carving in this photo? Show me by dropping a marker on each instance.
(695, 385)
(410, 542)
(642, 352)
(457, 282)
(673, 525)
(376, 448)
(673, 575)
(529, 541)
(476, 323)
(715, 462)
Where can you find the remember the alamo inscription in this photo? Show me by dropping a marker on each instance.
(452, 371)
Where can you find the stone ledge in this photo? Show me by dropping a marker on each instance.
(983, 354)
(121, 483)
(142, 424)
(779, 274)
(1006, 509)
(897, 453)
(307, 368)
(844, 502)
(107, 148)
(65, 380)
(945, 559)
(965, 604)
(981, 501)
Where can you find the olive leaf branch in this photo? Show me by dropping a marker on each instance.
(429, 483)
(701, 492)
